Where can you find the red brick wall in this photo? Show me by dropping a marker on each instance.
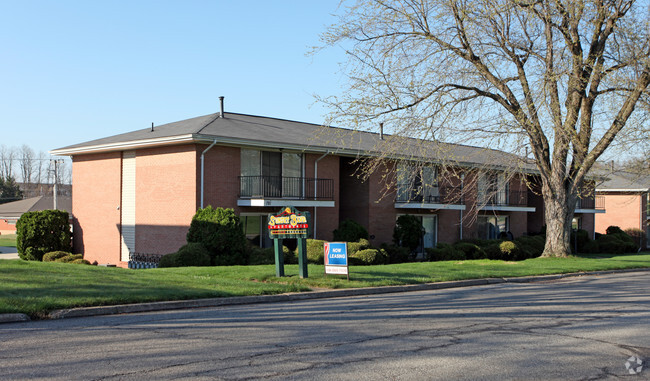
(381, 207)
(222, 170)
(95, 206)
(622, 210)
(6, 227)
(166, 189)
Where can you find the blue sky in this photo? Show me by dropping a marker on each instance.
(73, 71)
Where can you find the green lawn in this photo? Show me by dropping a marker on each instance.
(8, 240)
(35, 288)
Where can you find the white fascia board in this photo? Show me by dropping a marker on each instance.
(279, 202)
(121, 146)
(407, 205)
(590, 211)
(508, 208)
(623, 190)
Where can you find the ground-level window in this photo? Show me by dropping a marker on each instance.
(430, 226)
(489, 227)
(255, 228)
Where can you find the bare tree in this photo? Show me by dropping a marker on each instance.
(559, 77)
(7, 158)
(27, 163)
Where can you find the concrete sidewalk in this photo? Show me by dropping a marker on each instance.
(8, 252)
(216, 302)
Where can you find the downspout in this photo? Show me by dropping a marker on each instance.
(462, 186)
(316, 188)
(203, 168)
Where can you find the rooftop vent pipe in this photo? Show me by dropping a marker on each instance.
(381, 130)
(223, 114)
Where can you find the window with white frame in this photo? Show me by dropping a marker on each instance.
(490, 227)
(271, 174)
(417, 183)
(492, 188)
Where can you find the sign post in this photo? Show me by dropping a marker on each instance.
(290, 223)
(336, 258)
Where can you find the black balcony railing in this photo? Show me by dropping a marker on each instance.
(294, 188)
(433, 195)
(597, 203)
(503, 198)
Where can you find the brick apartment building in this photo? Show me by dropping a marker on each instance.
(628, 202)
(137, 192)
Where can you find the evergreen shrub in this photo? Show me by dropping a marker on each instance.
(41, 232)
(220, 232)
(350, 231)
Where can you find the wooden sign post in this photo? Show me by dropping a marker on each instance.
(290, 223)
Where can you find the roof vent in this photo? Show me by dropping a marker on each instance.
(223, 114)
(381, 130)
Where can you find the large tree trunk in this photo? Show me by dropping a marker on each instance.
(559, 207)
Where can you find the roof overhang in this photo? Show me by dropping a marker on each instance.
(123, 146)
(282, 203)
(413, 205)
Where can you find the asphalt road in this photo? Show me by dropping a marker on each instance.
(573, 329)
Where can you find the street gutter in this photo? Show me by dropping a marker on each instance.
(256, 299)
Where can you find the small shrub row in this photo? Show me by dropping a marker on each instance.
(516, 250)
(615, 241)
(64, 257)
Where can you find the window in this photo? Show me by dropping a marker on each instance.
(271, 174)
(417, 183)
(256, 231)
(492, 189)
(430, 238)
(489, 227)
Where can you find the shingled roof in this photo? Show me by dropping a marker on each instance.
(622, 181)
(259, 131)
(16, 209)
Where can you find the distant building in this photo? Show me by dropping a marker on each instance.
(628, 203)
(11, 211)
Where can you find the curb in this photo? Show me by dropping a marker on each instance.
(258, 299)
(13, 318)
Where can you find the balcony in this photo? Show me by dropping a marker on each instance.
(591, 205)
(437, 198)
(513, 201)
(282, 191)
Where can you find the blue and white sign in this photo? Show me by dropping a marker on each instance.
(336, 258)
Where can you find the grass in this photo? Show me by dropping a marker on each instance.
(35, 288)
(8, 240)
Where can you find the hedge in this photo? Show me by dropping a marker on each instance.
(41, 232)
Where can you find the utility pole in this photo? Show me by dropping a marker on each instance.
(56, 163)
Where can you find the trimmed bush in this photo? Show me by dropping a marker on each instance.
(192, 254)
(52, 256)
(613, 230)
(493, 251)
(80, 261)
(444, 252)
(638, 236)
(315, 251)
(41, 232)
(369, 257)
(470, 250)
(168, 260)
(69, 258)
(408, 232)
(592, 247)
(396, 254)
(509, 251)
(350, 231)
(220, 232)
(353, 247)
